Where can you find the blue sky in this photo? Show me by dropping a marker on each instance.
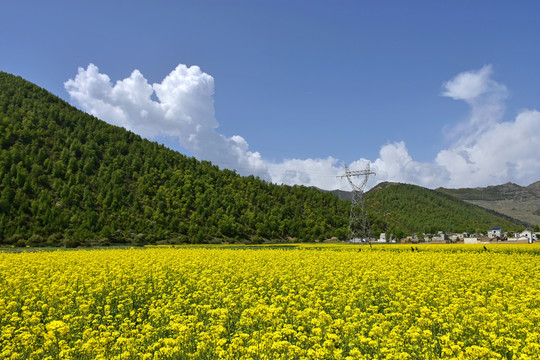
(299, 88)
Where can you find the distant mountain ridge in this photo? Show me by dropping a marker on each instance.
(403, 209)
(421, 210)
(519, 202)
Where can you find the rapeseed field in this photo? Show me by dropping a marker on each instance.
(304, 303)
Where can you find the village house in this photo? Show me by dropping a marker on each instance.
(455, 237)
(470, 240)
(495, 232)
(441, 236)
(526, 235)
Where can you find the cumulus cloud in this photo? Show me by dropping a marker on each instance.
(395, 164)
(485, 150)
(507, 151)
(321, 173)
(184, 109)
(489, 151)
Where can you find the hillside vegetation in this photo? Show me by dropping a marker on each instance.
(69, 177)
(402, 208)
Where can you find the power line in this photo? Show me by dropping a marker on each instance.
(359, 227)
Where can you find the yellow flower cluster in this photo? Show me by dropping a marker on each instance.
(195, 303)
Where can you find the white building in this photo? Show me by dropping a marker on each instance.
(382, 238)
(527, 235)
(441, 236)
(470, 240)
(454, 237)
(495, 232)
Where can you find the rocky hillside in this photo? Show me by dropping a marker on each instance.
(520, 202)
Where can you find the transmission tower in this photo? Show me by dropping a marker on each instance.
(359, 227)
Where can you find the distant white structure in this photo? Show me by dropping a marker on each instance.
(382, 238)
(470, 240)
(527, 235)
(495, 232)
(454, 237)
(441, 236)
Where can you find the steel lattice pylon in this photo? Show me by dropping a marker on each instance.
(359, 227)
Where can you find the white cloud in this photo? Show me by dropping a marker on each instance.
(485, 150)
(490, 151)
(469, 85)
(507, 151)
(321, 173)
(184, 110)
(395, 164)
(486, 98)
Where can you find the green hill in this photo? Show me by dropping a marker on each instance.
(402, 209)
(69, 178)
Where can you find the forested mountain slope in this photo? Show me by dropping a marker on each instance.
(66, 176)
(401, 208)
(69, 178)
